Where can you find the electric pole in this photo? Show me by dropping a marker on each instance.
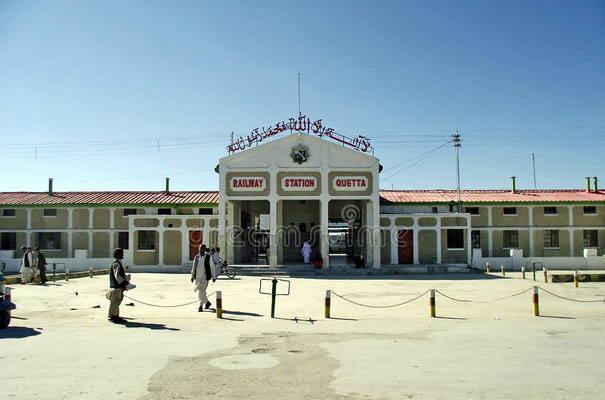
(457, 147)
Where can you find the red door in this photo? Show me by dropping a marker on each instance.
(195, 239)
(405, 248)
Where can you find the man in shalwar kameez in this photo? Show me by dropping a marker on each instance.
(201, 273)
(27, 265)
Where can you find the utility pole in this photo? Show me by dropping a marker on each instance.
(457, 147)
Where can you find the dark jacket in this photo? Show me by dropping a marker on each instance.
(41, 261)
(117, 276)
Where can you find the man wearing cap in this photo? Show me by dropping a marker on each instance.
(27, 263)
(201, 273)
(41, 264)
(117, 283)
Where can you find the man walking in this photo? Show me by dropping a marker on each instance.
(117, 283)
(201, 273)
(27, 262)
(41, 264)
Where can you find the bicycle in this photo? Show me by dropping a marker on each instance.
(225, 269)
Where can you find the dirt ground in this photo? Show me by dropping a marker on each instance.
(61, 346)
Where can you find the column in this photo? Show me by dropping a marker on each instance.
(490, 242)
(273, 231)
(438, 240)
(415, 243)
(222, 222)
(160, 246)
(570, 242)
(323, 236)
(531, 241)
(394, 241)
(469, 244)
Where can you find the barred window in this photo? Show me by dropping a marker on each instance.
(123, 240)
(164, 211)
(472, 210)
(129, 211)
(205, 211)
(509, 211)
(9, 240)
(550, 210)
(510, 239)
(146, 240)
(8, 212)
(49, 240)
(50, 212)
(590, 210)
(591, 238)
(551, 238)
(476, 239)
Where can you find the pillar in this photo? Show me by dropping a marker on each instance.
(273, 232)
(323, 237)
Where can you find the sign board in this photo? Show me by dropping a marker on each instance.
(350, 183)
(298, 183)
(248, 184)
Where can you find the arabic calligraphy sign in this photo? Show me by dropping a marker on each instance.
(300, 124)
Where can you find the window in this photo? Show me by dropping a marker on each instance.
(510, 211)
(455, 239)
(472, 210)
(129, 211)
(205, 211)
(49, 240)
(50, 212)
(123, 240)
(551, 239)
(510, 239)
(164, 211)
(8, 241)
(550, 210)
(476, 239)
(590, 210)
(8, 212)
(435, 209)
(591, 239)
(146, 240)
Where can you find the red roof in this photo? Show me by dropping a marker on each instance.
(42, 198)
(386, 196)
(490, 196)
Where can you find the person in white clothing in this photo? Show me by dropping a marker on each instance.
(306, 252)
(216, 258)
(27, 265)
(201, 273)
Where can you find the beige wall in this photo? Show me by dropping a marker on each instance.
(176, 223)
(145, 257)
(172, 250)
(453, 256)
(385, 246)
(579, 219)
(521, 219)
(499, 251)
(121, 222)
(185, 211)
(427, 247)
(79, 242)
(404, 221)
(100, 245)
(480, 220)
(100, 218)
(41, 222)
(427, 221)
(453, 221)
(146, 222)
(80, 218)
(19, 221)
(560, 219)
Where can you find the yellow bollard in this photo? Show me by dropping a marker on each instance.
(545, 275)
(8, 296)
(90, 271)
(327, 304)
(523, 271)
(432, 302)
(127, 270)
(575, 278)
(219, 304)
(487, 267)
(503, 271)
(535, 302)
(66, 274)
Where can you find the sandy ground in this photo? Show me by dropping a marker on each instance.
(59, 346)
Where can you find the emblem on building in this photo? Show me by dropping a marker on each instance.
(300, 153)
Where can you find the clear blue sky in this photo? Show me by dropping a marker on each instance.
(87, 88)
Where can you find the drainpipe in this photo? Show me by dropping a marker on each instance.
(588, 184)
(167, 185)
(50, 186)
(594, 181)
(514, 186)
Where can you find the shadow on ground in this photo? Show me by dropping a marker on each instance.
(18, 332)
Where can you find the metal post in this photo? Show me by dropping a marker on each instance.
(66, 274)
(535, 302)
(90, 271)
(545, 275)
(219, 304)
(432, 302)
(503, 271)
(54, 272)
(487, 267)
(575, 278)
(534, 266)
(523, 271)
(273, 294)
(327, 304)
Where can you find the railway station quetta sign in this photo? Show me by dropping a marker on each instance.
(301, 124)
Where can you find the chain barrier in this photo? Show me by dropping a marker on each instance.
(163, 306)
(483, 302)
(370, 306)
(575, 300)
